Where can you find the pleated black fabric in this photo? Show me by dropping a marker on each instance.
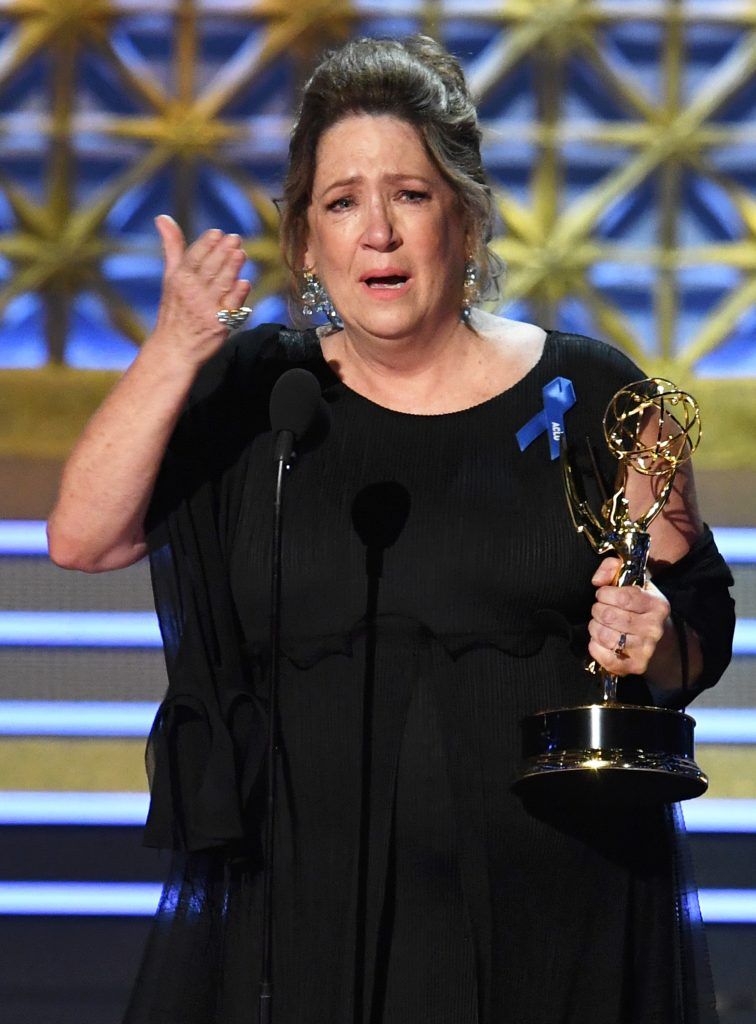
(435, 592)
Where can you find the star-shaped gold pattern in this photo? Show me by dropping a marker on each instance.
(187, 124)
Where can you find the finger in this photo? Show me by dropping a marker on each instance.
(209, 253)
(229, 270)
(172, 241)
(214, 262)
(199, 251)
(626, 622)
(618, 619)
(237, 295)
(611, 639)
(606, 573)
(643, 615)
(619, 665)
(606, 659)
(632, 599)
(650, 588)
(632, 659)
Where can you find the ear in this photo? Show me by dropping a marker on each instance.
(307, 255)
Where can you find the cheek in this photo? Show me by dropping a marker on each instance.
(450, 261)
(319, 240)
(448, 242)
(332, 248)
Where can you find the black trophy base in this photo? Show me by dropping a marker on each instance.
(609, 753)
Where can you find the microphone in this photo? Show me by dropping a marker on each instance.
(296, 405)
(379, 514)
(297, 412)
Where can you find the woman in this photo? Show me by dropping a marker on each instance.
(434, 594)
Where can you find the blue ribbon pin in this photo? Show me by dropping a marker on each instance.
(558, 397)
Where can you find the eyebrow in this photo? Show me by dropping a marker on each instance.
(355, 178)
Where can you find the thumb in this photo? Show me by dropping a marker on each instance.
(172, 241)
(607, 570)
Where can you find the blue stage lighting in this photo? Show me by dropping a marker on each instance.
(728, 906)
(76, 718)
(22, 807)
(22, 537)
(79, 629)
(737, 544)
(66, 808)
(744, 641)
(134, 718)
(140, 629)
(725, 725)
(28, 537)
(140, 899)
(723, 816)
(108, 899)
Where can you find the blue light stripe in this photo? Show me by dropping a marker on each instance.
(736, 544)
(21, 807)
(719, 815)
(76, 718)
(28, 537)
(140, 629)
(744, 641)
(140, 899)
(79, 629)
(67, 808)
(728, 906)
(134, 719)
(22, 537)
(724, 725)
(106, 899)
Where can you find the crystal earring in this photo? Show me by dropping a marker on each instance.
(315, 299)
(470, 290)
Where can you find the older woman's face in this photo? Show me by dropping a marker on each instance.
(385, 233)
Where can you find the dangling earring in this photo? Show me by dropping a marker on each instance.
(315, 299)
(470, 291)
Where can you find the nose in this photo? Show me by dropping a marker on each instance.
(380, 230)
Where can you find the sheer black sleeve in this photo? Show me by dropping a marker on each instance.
(206, 745)
(697, 588)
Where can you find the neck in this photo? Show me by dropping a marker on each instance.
(414, 365)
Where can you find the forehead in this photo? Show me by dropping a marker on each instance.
(371, 142)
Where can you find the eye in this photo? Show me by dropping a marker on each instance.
(342, 203)
(413, 195)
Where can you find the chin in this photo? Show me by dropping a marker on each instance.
(388, 327)
(394, 333)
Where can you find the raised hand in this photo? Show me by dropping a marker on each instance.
(198, 280)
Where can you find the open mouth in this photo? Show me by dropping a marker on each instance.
(388, 281)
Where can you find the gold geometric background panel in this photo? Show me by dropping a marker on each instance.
(620, 140)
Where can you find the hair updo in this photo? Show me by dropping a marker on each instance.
(417, 81)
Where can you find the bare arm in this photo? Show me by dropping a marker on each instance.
(98, 520)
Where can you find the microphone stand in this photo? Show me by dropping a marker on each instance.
(282, 455)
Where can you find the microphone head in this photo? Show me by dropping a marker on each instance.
(294, 402)
(380, 512)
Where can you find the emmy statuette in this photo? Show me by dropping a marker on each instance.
(610, 751)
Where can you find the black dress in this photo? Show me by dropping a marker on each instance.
(435, 592)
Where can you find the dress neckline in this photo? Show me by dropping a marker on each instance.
(424, 416)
